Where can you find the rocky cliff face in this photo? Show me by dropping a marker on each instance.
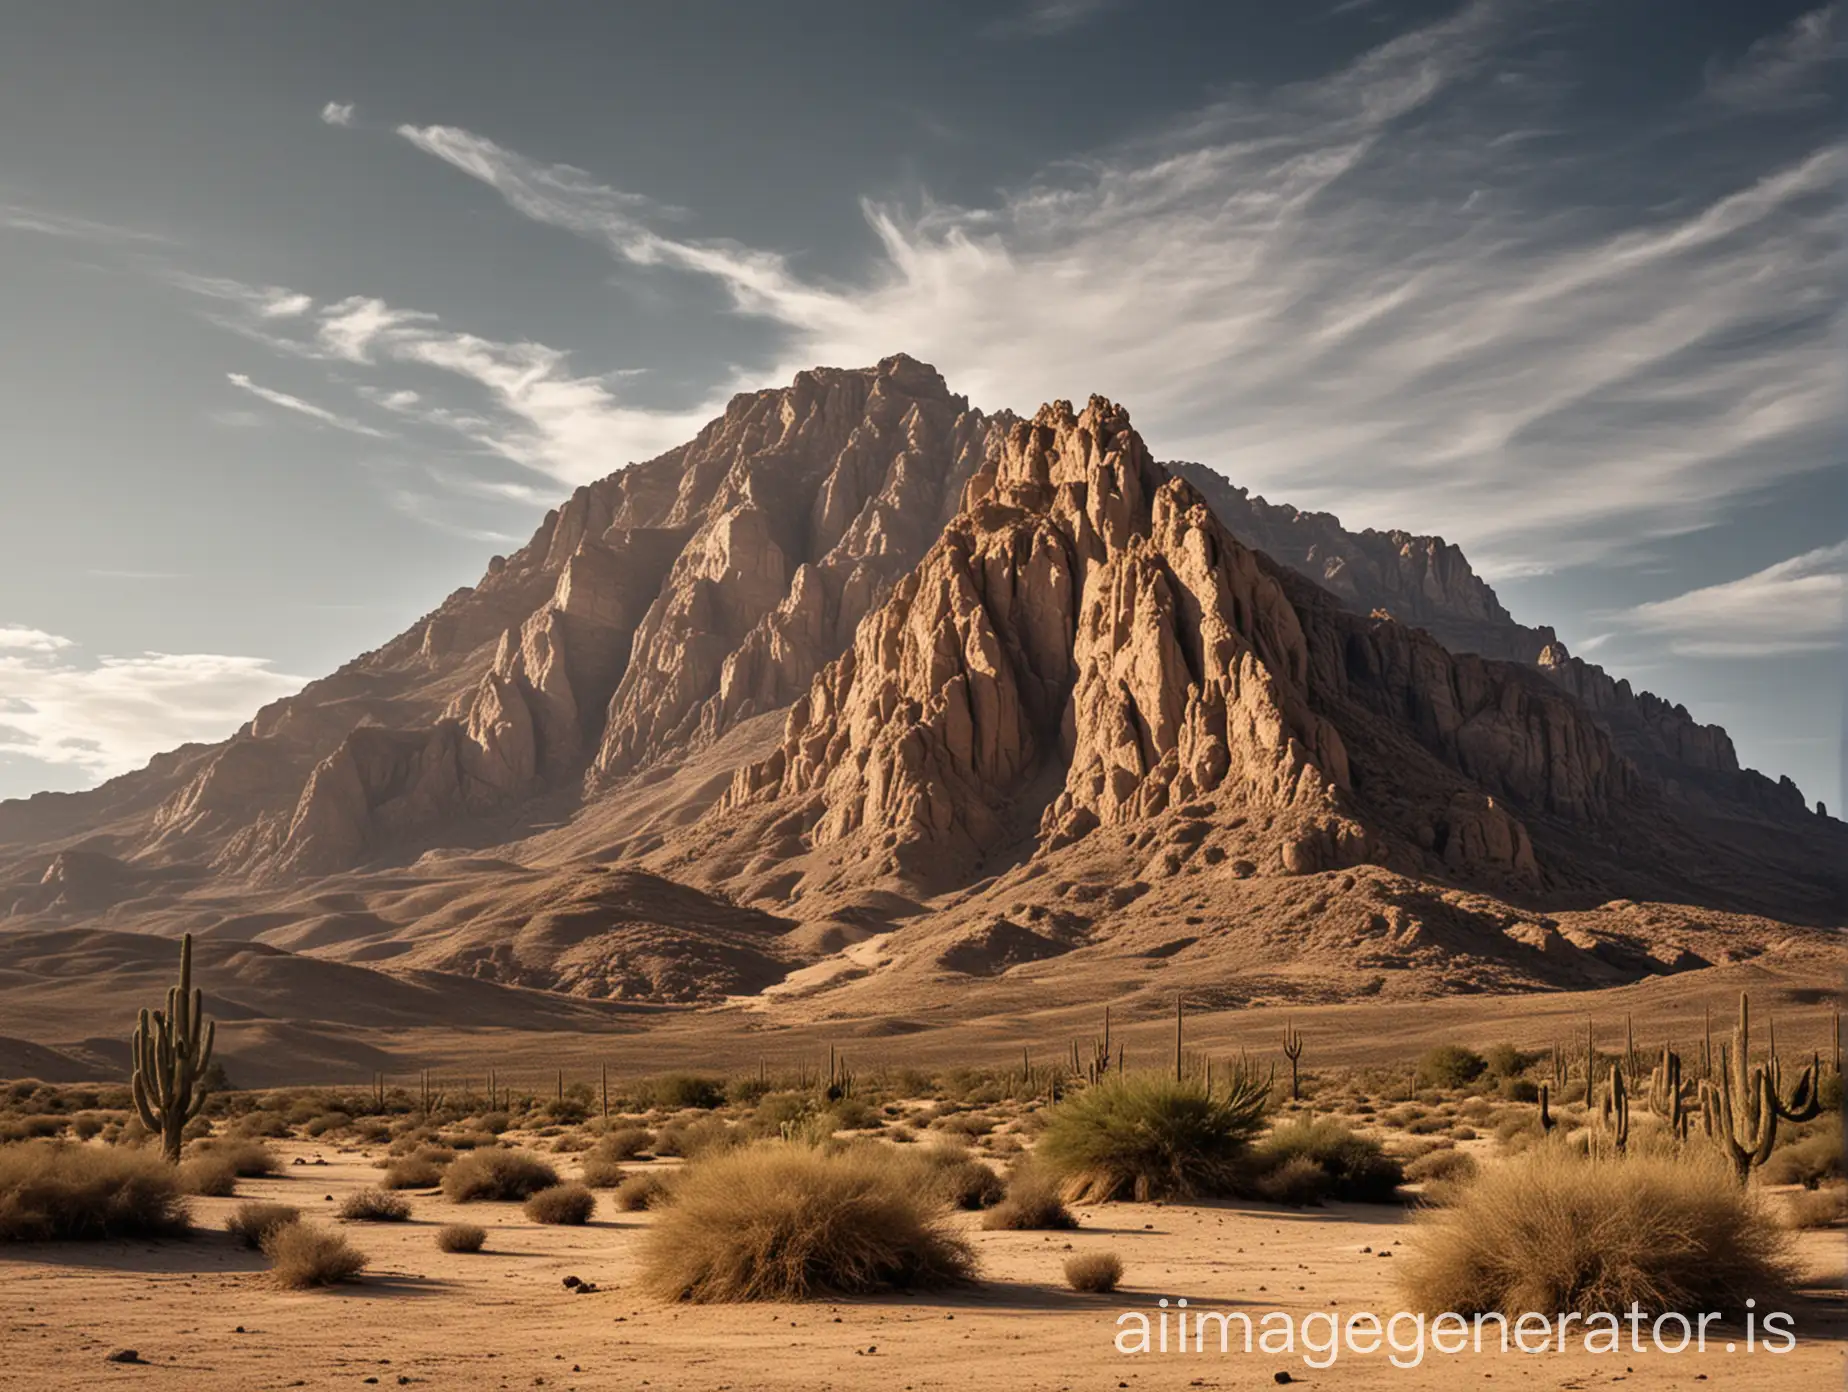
(687, 593)
(1419, 580)
(1088, 647)
(1426, 582)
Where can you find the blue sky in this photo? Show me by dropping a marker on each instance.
(311, 309)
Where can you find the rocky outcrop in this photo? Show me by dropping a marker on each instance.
(687, 593)
(1420, 580)
(810, 503)
(1088, 647)
(1687, 760)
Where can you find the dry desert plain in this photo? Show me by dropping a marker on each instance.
(203, 1313)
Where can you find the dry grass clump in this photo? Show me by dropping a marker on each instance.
(1815, 1208)
(1147, 1136)
(1352, 1167)
(248, 1158)
(785, 1222)
(53, 1191)
(707, 1136)
(1809, 1160)
(209, 1176)
(1445, 1166)
(374, 1206)
(1032, 1204)
(625, 1143)
(642, 1191)
(303, 1256)
(252, 1221)
(1554, 1231)
(412, 1173)
(510, 1176)
(1095, 1273)
(563, 1204)
(960, 1180)
(461, 1237)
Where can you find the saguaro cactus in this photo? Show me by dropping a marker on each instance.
(1292, 1050)
(1667, 1098)
(1614, 1109)
(172, 1048)
(1740, 1109)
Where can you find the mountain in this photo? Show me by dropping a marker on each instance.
(864, 695)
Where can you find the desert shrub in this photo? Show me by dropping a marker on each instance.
(1809, 1160)
(471, 1140)
(209, 1176)
(29, 1128)
(320, 1125)
(1519, 1090)
(786, 1222)
(747, 1091)
(1461, 1133)
(778, 1111)
(1449, 1166)
(600, 1174)
(676, 1091)
(261, 1123)
(1296, 1180)
(1356, 1168)
(966, 1124)
(565, 1204)
(411, 1173)
(88, 1125)
(1147, 1136)
(252, 1221)
(302, 1256)
(493, 1123)
(461, 1237)
(625, 1143)
(1506, 1061)
(1095, 1273)
(52, 1191)
(248, 1158)
(958, 1180)
(852, 1114)
(1816, 1208)
(642, 1191)
(374, 1206)
(1551, 1230)
(1032, 1203)
(1450, 1066)
(509, 1176)
(706, 1136)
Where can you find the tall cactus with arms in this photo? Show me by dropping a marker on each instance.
(172, 1048)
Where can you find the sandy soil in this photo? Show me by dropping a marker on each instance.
(201, 1314)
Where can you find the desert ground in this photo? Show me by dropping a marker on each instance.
(201, 1314)
(204, 1312)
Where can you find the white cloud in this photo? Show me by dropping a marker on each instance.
(14, 639)
(304, 408)
(1794, 606)
(338, 113)
(110, 715)
(1284, 287)
(1798, 65)
(1040, 18)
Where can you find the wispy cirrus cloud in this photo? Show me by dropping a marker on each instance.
(1797, 605)
(1348, 290)
(305, 408)
(338, 113)
(1797, 66)
(15, 217)
(1041, 18)
(109, 714)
